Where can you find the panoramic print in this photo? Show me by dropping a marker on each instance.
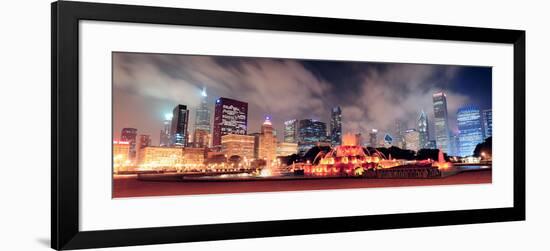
(192, 124)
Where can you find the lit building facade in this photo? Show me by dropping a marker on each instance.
(129, 135)
(236, 144)
(412, 139)
(290, 132)
(267, 142)
(180, 121)
(201, 138)
(488, 123)
(159, 157)
(470, 130)
(423, 130)
(165, 132)
(144, 141)
(286, 148)
(310, 133)
(230, 117)
(121, 151)
(336, 126)
(441, 121)
(193, 157)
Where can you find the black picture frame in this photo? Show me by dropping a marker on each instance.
(65, 233)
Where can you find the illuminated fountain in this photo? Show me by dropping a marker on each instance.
(348, 159)
(441, 164)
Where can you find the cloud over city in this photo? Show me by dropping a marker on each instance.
(372, 95)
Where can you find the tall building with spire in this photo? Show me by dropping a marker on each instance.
(336, 126)
(441, 121)
(201, 136)
(423, 130)
(165, 132)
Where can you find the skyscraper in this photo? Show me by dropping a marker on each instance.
(129, 135)
(412, 139)
(454, 145)
(290, 132)
(144, 141)
(373, 138)
(336, 126)
(202, 115)
(230, 117)
(470, 131)
(398, 140)
(423, 132)
(165, 132)
(488, 123)
(202, 131)
(180, 120)
(441, 121)
(310, 132)
(267, 145)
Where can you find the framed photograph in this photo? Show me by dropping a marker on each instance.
(180, 125)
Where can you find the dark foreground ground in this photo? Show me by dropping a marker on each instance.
(129, 186)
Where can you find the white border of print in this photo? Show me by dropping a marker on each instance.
(98, 211)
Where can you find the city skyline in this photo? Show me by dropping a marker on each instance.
(143, 106)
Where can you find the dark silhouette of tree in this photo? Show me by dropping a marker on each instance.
(423, 154)
(312, 153)
(288, 160)
(395, 152)
(486, 147)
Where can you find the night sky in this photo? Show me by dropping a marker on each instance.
(372, 95)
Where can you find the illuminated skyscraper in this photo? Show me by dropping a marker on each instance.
(423, 132)
(230, 117)
(336, 126)
(470, 131)
(488, 123)
(454, 145)
(180, 120)
(373, 138)
(165, 132)
(290, 132)
(412, 139)
(202, 115)
(267, 144)
(441, 121)
(201, 136)
(129, 135)
(398, 140)
(310, 132)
